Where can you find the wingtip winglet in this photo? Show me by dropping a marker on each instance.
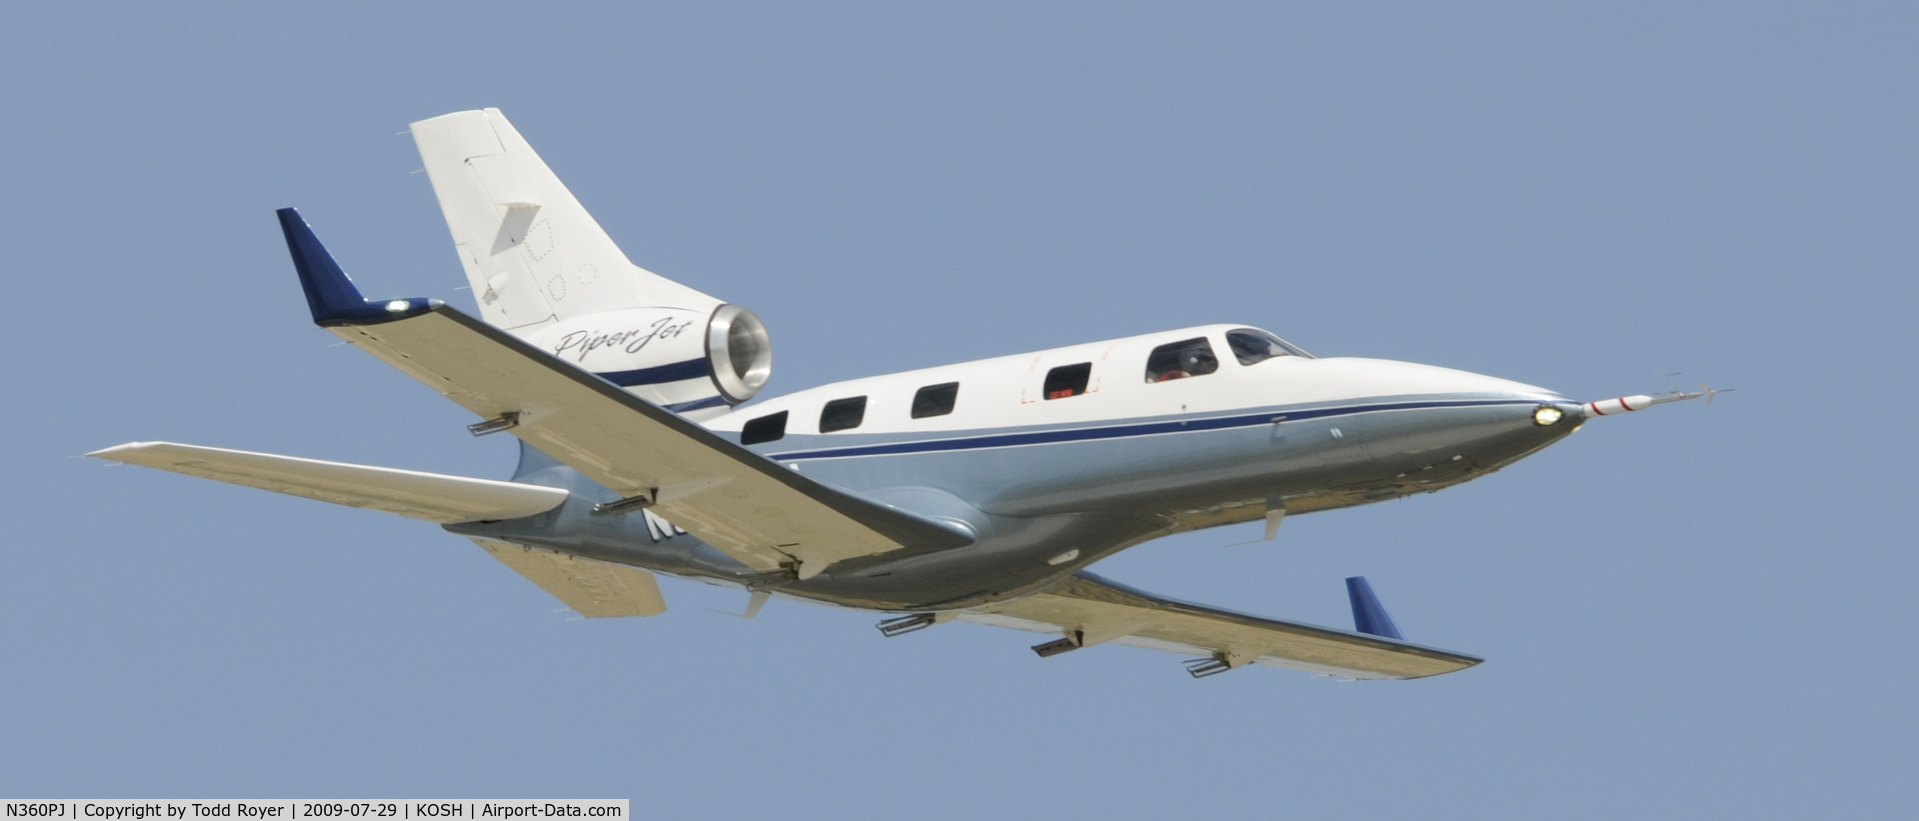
(1369, 616)
(331, 295)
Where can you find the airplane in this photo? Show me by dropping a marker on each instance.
(979, 492)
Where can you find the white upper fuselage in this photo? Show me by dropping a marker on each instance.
(1008, 391)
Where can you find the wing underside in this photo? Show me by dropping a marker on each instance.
(1087, 610)
(759, 512)
(762, 513)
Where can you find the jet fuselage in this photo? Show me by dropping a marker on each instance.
(1046, 486)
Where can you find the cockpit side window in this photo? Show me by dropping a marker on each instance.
(1251, 346)
(1178, 360)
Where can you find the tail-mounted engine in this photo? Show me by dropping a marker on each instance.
(694, 362)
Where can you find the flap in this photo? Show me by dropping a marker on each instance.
(1099, 610)
(593, 588)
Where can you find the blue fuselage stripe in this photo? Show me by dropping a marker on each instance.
(697, 404)
(675, 372)
(1083, 434)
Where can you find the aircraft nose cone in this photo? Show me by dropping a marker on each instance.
(1529, 409)
(1439, 426)
(1383, 377)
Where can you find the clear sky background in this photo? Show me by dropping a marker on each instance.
(1692, 611)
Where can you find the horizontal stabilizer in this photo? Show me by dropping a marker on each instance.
(434, 497)
(1088, 610)
(593, 588)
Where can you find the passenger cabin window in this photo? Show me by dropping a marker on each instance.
(1251, 345)
(841, 414)
(1068, 380)
(1178, 360)
(935, 400)
(764, 429)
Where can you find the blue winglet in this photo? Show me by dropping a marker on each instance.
(1369, 616)
(330, 294)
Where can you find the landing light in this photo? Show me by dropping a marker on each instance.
(397, 305)
(1546, 416)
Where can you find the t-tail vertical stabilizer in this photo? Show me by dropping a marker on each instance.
(542, 268)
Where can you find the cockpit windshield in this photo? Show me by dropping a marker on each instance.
(1251, 345)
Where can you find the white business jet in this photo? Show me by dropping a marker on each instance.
(976, 492)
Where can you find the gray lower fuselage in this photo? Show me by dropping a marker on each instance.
(1046, 501)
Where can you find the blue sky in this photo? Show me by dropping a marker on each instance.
(1692, 611)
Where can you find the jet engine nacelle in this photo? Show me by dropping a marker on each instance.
(696, 362)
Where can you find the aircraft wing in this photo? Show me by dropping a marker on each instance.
(594, 589)
(434, 497)
(1090, 610)
(761, 513)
